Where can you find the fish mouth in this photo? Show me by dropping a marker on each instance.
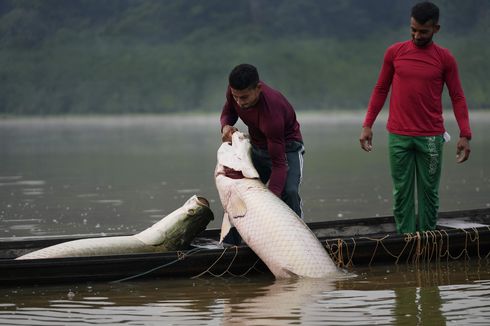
(202, 201)
(230, 173)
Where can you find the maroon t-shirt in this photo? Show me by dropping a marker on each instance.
(417, 76)
(271, 124)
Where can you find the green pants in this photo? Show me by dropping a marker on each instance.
(415, 162)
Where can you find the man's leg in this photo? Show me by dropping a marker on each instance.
(402, 163)
(429, 163)
(290, 194)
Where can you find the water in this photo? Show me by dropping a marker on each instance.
(121, 174)
(437, 294)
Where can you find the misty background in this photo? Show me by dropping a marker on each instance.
(141, 56)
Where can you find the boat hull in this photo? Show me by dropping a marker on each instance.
(350, 243)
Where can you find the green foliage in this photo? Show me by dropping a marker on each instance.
(141, 56)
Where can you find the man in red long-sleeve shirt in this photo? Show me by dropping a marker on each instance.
(416, 70)
(277, 144)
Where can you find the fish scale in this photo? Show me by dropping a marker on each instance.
(269, 227)
(276, 234)
(174, 232)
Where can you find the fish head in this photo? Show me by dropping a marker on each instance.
(195, 218)
(235, 158)
(234, 165)
(176, 230)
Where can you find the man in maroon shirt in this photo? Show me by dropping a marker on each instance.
(416, 71)
(277, 144)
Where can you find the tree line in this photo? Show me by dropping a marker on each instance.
(144, 56)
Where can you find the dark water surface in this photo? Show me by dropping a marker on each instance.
(456, 293)
(122, 174)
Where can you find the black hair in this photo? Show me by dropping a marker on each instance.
(424, 11)
(243, 76)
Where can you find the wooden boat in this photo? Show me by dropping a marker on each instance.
(350, 243)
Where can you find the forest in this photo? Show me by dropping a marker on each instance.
(149, 56)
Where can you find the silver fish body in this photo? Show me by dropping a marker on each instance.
(174, 232)
(269, 227)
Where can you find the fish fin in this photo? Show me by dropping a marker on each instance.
(291, 273)
(285, 273)
(235, 207)
(225, 227)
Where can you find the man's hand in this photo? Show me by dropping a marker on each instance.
(226, 133)
(462, 150)
(366, 139)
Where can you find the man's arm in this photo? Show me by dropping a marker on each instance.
(460, 109)
(226, 133)
(366, 139)
(381, 89)
(463, 150)
(276, 146)
(279, 170)
(377, 100)
(228, 118)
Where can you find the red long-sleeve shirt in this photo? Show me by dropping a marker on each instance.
(417, 76)
(271, 124)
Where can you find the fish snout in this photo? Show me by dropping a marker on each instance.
(202, 201)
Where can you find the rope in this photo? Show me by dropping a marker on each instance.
(227, 270)
(247, 271)
(208, 270)
(420, 247)
(180, 255)
(486, 256)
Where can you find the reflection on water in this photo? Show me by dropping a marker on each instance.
(419, 306)
(435, 294)
(122, 174)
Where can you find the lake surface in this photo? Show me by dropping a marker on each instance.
(456, 293)
(121, 174)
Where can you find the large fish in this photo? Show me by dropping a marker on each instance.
(174, 232)
(269, 227)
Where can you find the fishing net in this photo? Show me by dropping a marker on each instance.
(347, 252)
(417, 247)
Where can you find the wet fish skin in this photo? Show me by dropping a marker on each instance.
(174, 232)
(269, 227)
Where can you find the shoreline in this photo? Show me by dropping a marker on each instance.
(304, 117)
